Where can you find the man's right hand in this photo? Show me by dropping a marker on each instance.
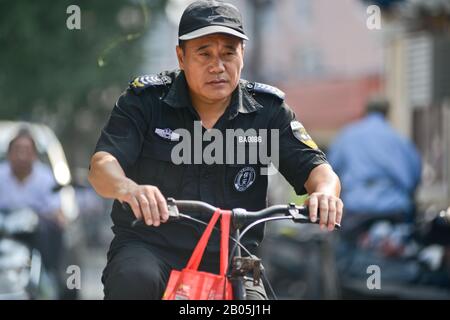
(147, 202)
(109, 180)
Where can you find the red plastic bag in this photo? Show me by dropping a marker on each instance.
(191, 284)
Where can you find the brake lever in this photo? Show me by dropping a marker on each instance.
(172, 208)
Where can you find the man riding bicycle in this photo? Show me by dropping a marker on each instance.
(136, 159)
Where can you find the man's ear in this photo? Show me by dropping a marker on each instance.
(243, 54)
(180, 57)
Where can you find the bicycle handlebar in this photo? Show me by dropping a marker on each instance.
(240, 217)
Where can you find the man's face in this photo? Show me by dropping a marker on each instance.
(212, 65)
(21, 155)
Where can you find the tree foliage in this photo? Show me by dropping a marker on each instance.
(51, 74)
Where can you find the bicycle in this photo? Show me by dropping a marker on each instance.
(240, 266)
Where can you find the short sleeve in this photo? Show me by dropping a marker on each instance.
(124, 132)
(298, 153)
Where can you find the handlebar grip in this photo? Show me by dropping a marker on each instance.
(171, 208)
(299, 214)
(126, 207)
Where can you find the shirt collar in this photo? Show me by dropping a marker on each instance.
(241, 101)
(178, 95)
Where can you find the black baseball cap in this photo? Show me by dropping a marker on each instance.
(204, 17)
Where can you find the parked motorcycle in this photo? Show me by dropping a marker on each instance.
(413, 259)
(22, 273)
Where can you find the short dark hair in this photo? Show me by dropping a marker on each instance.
(379, 105)
(23, 133)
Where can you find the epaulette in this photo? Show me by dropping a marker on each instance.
(265, 88)
(143, 82)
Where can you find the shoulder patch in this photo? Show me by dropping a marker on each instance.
(265, 88)
(141, 83)
(300, 133)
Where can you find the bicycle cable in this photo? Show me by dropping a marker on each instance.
(269, 285)
(251, 226)
(236, 243)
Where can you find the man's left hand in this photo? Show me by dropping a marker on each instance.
(330, 208)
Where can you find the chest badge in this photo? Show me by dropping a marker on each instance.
(167, 134)
(244, 179)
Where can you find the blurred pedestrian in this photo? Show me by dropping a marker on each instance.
(379, 168)
(26, 182)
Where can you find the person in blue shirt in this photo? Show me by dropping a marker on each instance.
(379, 168)
(26, 182)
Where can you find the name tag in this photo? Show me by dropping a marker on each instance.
(167, 134)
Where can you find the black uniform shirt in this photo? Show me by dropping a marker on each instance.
(141, 134)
